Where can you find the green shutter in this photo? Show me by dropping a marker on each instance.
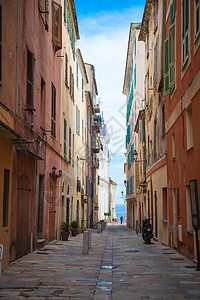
(172, 55)
(172, 12)
(65, 137)
(166, 67)
(70, 141)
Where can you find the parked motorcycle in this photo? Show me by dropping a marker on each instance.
(147, 231)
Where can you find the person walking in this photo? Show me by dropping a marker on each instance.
(121, 218)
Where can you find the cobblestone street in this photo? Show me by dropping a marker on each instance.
(119, 266)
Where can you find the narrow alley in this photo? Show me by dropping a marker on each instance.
(119, 266)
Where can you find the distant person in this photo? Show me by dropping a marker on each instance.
(121, 218)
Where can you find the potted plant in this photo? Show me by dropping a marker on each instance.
(64, 229)
(74, 228)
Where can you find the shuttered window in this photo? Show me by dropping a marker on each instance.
(53, 110)
(57, 24)
(197, 21)
(1, 42)
(77, 74)
(29, 82)
(131, 153)
(66, 69)
(65, 11)
(155, 62)
(77, 120)
(166, 67)
(172, 12)
(140, 131)
(65, 137)
(185, 30)
(172, 55)
(70, 144)
(82, 89)
(82, 131)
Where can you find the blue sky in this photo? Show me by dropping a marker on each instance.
(104, 30)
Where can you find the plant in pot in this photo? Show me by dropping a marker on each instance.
(64, 230)
(74, 228)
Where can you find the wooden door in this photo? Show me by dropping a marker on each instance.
(52, 212)
(23, 232)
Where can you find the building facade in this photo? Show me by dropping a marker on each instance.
(182, 91)
(133, 89)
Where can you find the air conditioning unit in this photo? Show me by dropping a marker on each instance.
(180, 233)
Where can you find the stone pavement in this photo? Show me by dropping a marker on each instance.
(119, 266)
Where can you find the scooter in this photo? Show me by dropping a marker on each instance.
(147, 231)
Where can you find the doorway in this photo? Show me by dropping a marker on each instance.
(23, 232)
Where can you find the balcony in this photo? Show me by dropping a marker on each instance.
(96, 109)
(95, 146)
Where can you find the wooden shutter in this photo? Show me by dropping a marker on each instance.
(65, 137)
(66, 69)
(70, 144)
(166, 67)
(185, 37)
(53, 111)
(1, 42)
(57, 24)
(172, 55)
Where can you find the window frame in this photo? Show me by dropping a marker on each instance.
(57, 39)
(185, 32)
(66, 70)
(65, 138)
(53, 111)
(197, 6)
(30, 80)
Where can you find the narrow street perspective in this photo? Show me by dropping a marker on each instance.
(119, 266)
(100, 149)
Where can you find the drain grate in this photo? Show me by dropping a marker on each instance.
(132, 251)
(190, 267)
(176, 258)
(42, 253)
(169, 253)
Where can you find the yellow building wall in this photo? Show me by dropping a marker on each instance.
(159, 181)
(5, 163)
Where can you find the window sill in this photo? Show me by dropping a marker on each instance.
(190, 232)
(165, 221)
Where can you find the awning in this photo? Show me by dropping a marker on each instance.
(8, 133)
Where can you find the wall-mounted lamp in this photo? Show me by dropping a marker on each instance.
(53, 173)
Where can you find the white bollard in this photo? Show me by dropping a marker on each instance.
(90, 238)
(85, 242)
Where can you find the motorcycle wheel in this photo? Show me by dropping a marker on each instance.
(149, 240)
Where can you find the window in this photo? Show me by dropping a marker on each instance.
(82, 131)
(163, 121)
(42, 109)
(70, 144)
(197, 17)
(65, 11)
(1, 42)
(29, 83)
(135, 76)
(77, 74)
(172, 12)
(71, 84)
(172, 55)
(77, 120)
(6, 197)
(155, 140)
(82, 89)
(166, 67)
(155, 14)
(148, 152)
(164, 194)
(140, 131)
(188, 209)
(66, 70)
(53, 110)
(135, 46)
(43, 6)
(173, 146)
(147, 43)
(189, 127)
(57, 24)
(65, 137)
(155, 63)
(185, 30)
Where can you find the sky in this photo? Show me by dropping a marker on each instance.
(104, 27)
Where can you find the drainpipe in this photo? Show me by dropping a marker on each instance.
(36, 197)
(17, 56)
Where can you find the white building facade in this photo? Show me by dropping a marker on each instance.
(103, 173)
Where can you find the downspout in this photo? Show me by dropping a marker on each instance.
(36, 199)
(183, 139)
(16, 108)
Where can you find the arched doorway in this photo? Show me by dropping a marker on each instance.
(23, 232)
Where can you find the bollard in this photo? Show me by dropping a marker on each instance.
(89, 238)
(85, 242)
